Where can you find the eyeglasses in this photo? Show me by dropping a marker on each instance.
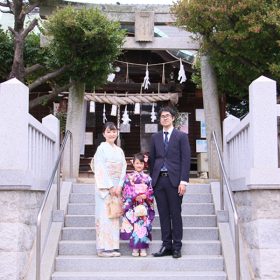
(165, 116)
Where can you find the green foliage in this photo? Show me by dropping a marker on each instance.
(6, 54)
(196, 75)
(86, 40)
(62, 116)
(242, 38)
(33, 53)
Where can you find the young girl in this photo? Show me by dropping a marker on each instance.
(137, 220)
(109, 169)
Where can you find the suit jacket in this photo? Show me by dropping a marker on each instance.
(176, 159)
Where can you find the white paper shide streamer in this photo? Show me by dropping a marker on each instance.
(92, 107)
(104, 114)
(153, 114)
(181, 74)
(146, 81)
(125, 117)
(111, 77)
(114, 110)
(137, 109)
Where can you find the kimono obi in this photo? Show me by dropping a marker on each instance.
(140, 188)
(114, 169)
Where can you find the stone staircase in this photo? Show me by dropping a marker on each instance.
(202, 258)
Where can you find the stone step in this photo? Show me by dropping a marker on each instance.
(187, 208)
(192, 188)
(188, 198)
(189, 233)
(188, 220)
(72, 247)
(139, 275)
(129, 263)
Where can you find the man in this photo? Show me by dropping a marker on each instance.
(169, 168)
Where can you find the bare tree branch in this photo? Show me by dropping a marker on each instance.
(46, 98)
(6, 12)
(6, 5)
(11, 5)
(12, 30)
(30, 27)
(48, 76)
(30, 8)
(39, 100)
(32, 69)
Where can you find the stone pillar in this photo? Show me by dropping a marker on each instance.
(14, 100)
(53, 125)
(18, 205)
(212, 114)
(263, 133)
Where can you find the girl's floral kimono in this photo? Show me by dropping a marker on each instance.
(137, 229)
(109, 169)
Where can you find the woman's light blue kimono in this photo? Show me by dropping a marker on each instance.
(109, 169)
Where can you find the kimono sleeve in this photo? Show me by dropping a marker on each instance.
(150, 191)
(102, 178)
(128, 194)
(123, 171)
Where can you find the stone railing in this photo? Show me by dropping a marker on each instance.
(251, 152)
(251, 145)
(28, 151)
(28, 148)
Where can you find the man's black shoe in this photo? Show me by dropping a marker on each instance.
(176, 254)
(163, 252)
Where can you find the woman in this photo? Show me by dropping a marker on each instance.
(110, 169)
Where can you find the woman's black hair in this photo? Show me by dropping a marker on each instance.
(138, 156)
(168, 109)
(109, 125)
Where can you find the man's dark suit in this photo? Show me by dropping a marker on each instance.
(177, 162)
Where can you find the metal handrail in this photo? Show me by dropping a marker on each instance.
(56, 171)
(236, 219)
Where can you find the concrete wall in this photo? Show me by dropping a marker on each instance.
(17, 231)
(259, 212)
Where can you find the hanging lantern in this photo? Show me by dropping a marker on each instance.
(153, 114)
(137, 109)
(181, 74)
(125, 117)
(104, 114)
(114, 110)
(92, 107)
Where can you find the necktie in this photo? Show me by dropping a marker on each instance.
(165, 141)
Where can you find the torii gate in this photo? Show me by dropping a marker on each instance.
(144, 17)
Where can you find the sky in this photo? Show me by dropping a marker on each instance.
(159, 2)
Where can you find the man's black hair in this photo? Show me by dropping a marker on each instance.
(168, 109)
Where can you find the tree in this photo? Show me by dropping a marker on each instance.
(87, 43)
(235, 36)
(6, 54)
(30, 63)
(19, 9)
(242, 39)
